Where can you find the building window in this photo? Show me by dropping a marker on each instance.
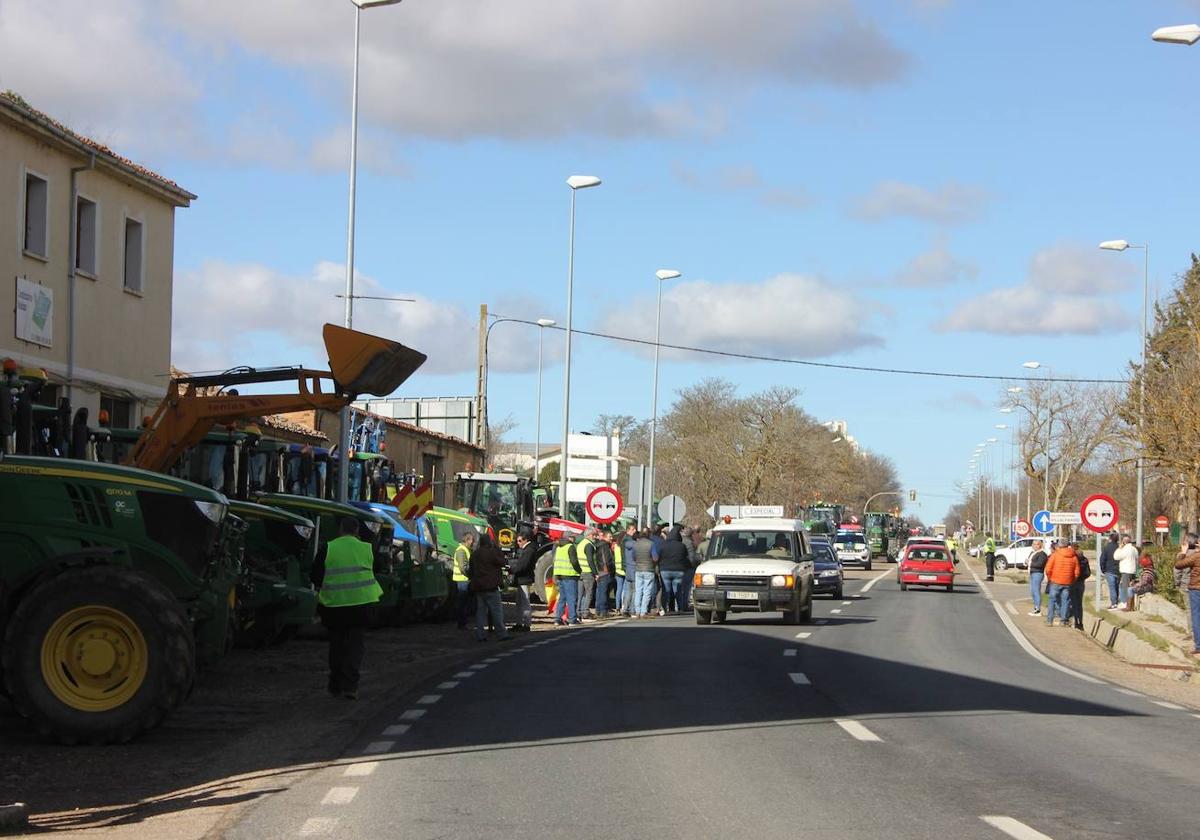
(86, 220)
(37, 220)
(133, 255)
(119, 411)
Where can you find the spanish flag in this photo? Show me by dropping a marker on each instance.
(406, 502)
(423, 495)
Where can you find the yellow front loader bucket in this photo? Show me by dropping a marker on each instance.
(368, 364)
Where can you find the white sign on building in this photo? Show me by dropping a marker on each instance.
(35, 313)
(592, 462)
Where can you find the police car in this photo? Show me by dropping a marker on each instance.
(755, 564)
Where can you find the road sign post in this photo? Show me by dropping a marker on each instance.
(1099, 513)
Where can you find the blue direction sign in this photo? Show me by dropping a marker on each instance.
(1041, 522)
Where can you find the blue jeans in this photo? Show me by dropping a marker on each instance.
(1113, 581)
(1126, 580)
(602, 594)
(464, 601)
(489, 606)
(568, 593)
(1060, 602)
(1194, 603)
(627, 604)
(619, 604)
(645, 591)
(1036, 579)
(672, 591)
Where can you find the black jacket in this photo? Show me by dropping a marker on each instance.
(673, 554)
(523, 564)
(1037, 561)
(1108, 562)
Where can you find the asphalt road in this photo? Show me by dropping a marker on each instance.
(893, 715)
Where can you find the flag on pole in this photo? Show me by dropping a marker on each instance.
(406, 502)
(423, 496)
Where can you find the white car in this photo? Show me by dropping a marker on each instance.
(1016, 554)
(755, 565)
(852, 547)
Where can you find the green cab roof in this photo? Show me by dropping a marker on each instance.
(318, 506)
(251, 510)
(131, 477)
(458, 515)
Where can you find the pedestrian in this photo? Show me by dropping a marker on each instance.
(603, 559)
(1037, 574)
(1062, 568)
(566, 580)
(585, 552)
(673, 565)
(616, 543)
(487, 568)
(657, 536)
(1127, 565)
(1147, 577)
(522, 568)
(1189, 559)
(627, 604)
(644, 563)
(1108, 568)
(691, 540)
(989, 557)
(1077, 587)
(347, 592)
(460, 577)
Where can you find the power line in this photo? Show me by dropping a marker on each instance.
(807, 363)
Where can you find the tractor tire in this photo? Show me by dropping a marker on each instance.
(98, 655)
(542, 572)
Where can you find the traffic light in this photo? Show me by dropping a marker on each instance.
(912, 495)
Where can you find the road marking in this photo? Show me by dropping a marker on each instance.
(1167, 705)
(361, 768)
(378, 747)
(429, 699)
(1128, 691)
(318, 825)
(846, 603)
(462, 675)
(1196, 716)
(790, 652)
(500, 656)
(857, 730)
(396, 729)
(800, 679)
(1015, 828)
(478, 667)
(835, 612)
(1011, 609)
(340, 796)
(446, 686)
(492, 660)
(875, 580)
(413, 714)
(803, 635)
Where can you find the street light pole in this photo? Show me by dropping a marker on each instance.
(661, 274)
(576, 183)
(537, 446)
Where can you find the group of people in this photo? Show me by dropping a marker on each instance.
(1061, 570)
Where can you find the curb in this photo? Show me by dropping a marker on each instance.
(14, 816)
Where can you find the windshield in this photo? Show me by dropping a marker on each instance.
(751, 544)
(851, 539)
(926, 555)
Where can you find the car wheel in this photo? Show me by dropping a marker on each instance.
(949, 587)
(806, 610)
(837, 594)
(867, 565)
(903, 587)
(704, 616)
(1001, 562)
(718, 617)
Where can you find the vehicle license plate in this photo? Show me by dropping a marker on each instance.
(742, 596)
(926, 577)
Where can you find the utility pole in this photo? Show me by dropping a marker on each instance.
(481, 386)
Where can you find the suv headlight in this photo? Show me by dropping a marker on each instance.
(708, 580)
(782, 581)
(213, 511)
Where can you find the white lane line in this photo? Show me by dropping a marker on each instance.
(361, 768)
(413, 714)
(800, 679)
(429, 699)
(857, 730)
(790, 652)
(396, 730)
(500, 656)
(340, 796)
(318, 825)
(1011, 609)
(804, 635)
(1128, 691)
(491, 660)
(1196, 716)
(449, 684)
(1167, 705)
(846, 603)
(378, 747)
(875, 580)
(462, 675)
(834, 612)
(478, 667)
(1015, 828)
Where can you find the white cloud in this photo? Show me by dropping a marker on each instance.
(1066, 292)
(746, 179)
(950, 204)
(935, 268)
(789, 315)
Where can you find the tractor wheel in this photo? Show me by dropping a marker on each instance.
(98, 654)
(542, 572)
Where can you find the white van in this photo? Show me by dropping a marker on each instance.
(755, 565)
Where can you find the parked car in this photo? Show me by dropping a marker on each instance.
(1016, 554)
(926, 564)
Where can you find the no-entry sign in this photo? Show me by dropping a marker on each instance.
(604, 505)
(1099, 513)
(1162, 524)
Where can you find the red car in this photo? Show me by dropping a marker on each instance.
(926, 564)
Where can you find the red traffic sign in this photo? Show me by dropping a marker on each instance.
(1099, 513)
(1162, 523)
(604, 505)
(1022, 528)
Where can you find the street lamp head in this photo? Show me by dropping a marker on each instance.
(1001, 425)
(993, 440)
(667, 274)
(1006, 410)
(1016, 389)
(1114, 245)
(582, 182)
(1187, 34)
(546, 322)
(370, 4)
(1031, 365)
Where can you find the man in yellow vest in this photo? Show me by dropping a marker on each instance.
(566, 579)
(989, 557)
(344, 574)
(585, 552)
(461, 577)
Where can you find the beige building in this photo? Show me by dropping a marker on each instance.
(87, 244)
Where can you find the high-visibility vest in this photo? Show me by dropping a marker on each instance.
(349, 574)
(581, 555)
(562, 562)
(462, 556)
(989, 545)
(618, 560)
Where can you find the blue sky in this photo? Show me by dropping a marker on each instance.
(907, 183)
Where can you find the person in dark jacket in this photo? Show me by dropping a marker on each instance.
(645, 563)
(487, 568)
(1037, 575)
(1077, 588)
(673, 565)
(1108, 568)
(603, 559)
(522, 568)
(627, 602)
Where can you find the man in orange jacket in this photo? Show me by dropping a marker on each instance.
(1061, 571)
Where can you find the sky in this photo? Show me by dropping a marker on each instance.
(914, 184)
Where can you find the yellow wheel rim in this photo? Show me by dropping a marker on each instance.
(94, 658)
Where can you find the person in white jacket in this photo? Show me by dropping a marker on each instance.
(1127, 564)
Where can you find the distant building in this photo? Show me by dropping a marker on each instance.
(841, 433)
(87, 242)
(447, 415)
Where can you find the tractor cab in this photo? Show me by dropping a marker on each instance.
(507, 501)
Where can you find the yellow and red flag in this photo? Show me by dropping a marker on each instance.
(423, 494)
(406, 502)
